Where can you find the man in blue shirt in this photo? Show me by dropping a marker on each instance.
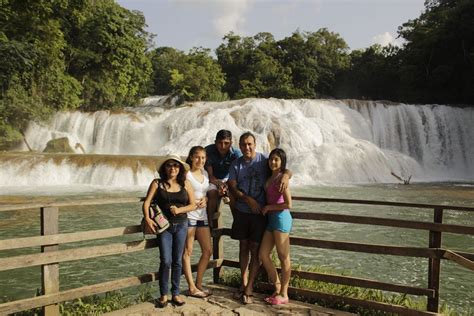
(219, 157)
(247, 178)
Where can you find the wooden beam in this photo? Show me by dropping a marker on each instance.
(434, 264)
(357, 302)
(466, 263)
(35, 241)
(75, 254)
(365, 220)
(386, 203)
(351, 281)
(367, 248)
(38, 301)
(50, 272)
(28, 206)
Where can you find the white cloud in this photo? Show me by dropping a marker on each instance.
(230, 16)
(385, 39)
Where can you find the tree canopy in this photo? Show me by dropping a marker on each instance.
(94, 54)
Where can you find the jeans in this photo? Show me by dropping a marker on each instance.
(171, 243)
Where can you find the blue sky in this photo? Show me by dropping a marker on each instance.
(184, 24)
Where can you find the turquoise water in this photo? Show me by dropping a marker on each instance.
(457, 287)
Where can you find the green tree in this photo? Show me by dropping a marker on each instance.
(438, 57)
(194, 76)
(107, 54)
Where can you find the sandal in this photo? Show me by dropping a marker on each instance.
(177, 302)
(161, 304)
(238, 295)
(206, 291)
(198, 294)
(278, 300)
(247, 299)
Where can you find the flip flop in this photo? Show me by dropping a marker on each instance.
(238, 295)
(206, 291)
(278, 300)
(198, 294)
(247, 299)
(268, 299)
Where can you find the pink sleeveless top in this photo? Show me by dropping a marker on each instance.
(273, 195)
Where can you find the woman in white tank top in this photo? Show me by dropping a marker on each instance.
(198, 226)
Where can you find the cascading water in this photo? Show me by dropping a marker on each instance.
(327, 141)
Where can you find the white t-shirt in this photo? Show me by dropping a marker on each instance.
(200, 190)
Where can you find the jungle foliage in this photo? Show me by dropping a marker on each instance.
(93, 54)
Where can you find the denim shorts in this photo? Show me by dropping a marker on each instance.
(196, 223)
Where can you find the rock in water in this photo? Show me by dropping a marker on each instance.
(58, 145)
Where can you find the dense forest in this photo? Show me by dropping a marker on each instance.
(93, 54)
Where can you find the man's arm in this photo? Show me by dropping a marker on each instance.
(285, 180)
(239, 195)
(212, 178)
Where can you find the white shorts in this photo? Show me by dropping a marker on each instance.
(212, 186)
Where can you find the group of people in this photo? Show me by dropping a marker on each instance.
(188, 193)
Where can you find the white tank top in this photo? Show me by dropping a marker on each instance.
(200, 190)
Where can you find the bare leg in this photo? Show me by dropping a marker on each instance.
(265, 251)
(203, 236)
(188, 250)
(282, 242)
(244, 258)
(212, 200)
(253, 268)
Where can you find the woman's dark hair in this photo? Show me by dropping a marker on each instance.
(280, 153)
(181, 178)
(192, 151)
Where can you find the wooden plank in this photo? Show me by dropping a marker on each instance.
(38, 301)
(67, 237)
(29, 303)
(466, 263)
(367, 248)
(75, 254)
(86, 202)
(15, 207)
(357, 302)
(218, 248)
(351, 281)
(438, 227)
(383, 203)
(363, 283)
(50, 272)
(466, 255)
(434, 264)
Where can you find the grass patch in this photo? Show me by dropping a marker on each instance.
(97, 304)
(232, 278)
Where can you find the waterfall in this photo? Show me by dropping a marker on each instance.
(328, 142)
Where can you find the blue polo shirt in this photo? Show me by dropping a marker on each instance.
(220, 165)
(250, 177)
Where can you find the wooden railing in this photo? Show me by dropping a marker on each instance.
(51, 256)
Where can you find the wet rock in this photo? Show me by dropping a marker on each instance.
(59, 145)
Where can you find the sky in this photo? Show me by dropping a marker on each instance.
(184, 24)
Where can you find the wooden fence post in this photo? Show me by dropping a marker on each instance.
(50, 272)
(434, 265)
(218, 244)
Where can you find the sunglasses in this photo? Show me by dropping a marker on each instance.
(170, 165)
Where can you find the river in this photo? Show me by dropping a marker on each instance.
(456, 282)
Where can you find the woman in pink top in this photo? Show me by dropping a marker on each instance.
(278, 229)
